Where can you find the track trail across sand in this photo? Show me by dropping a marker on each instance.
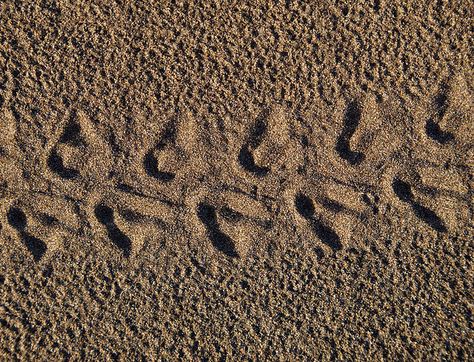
(204, 180)
(332, 182)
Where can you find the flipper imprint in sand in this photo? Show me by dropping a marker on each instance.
(78, 157)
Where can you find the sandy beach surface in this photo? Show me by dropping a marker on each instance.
(236, 180)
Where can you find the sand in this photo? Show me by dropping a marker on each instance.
(236, 180)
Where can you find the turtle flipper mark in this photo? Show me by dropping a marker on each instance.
(403, 191)
(17, 219)
(305, 207)
(246, 158)
(221, 241)
(105, 215)
(351, 121)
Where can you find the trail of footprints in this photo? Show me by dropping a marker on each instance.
(264, 147)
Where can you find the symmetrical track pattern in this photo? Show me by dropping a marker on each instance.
(328, 181)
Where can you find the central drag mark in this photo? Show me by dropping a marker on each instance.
(72, 134)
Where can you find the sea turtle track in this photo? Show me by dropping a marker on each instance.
(260, 160)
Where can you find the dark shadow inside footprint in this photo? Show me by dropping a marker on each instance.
(247, 161)
(71, 134)
(259, 130)
(17, 219)
(351, 121)
(429, 217)
(235, 217)
(441, 101)
(137, 217)
(305, 207)
(36, 246)
(55, 163)
(326, 235)
(231, 215)
(246, 158)
(331, 205)
(105, 215)
(403, 191)
(47, 220)
(132, 216)
(222, 242)
(150, 163)
(434, 131)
